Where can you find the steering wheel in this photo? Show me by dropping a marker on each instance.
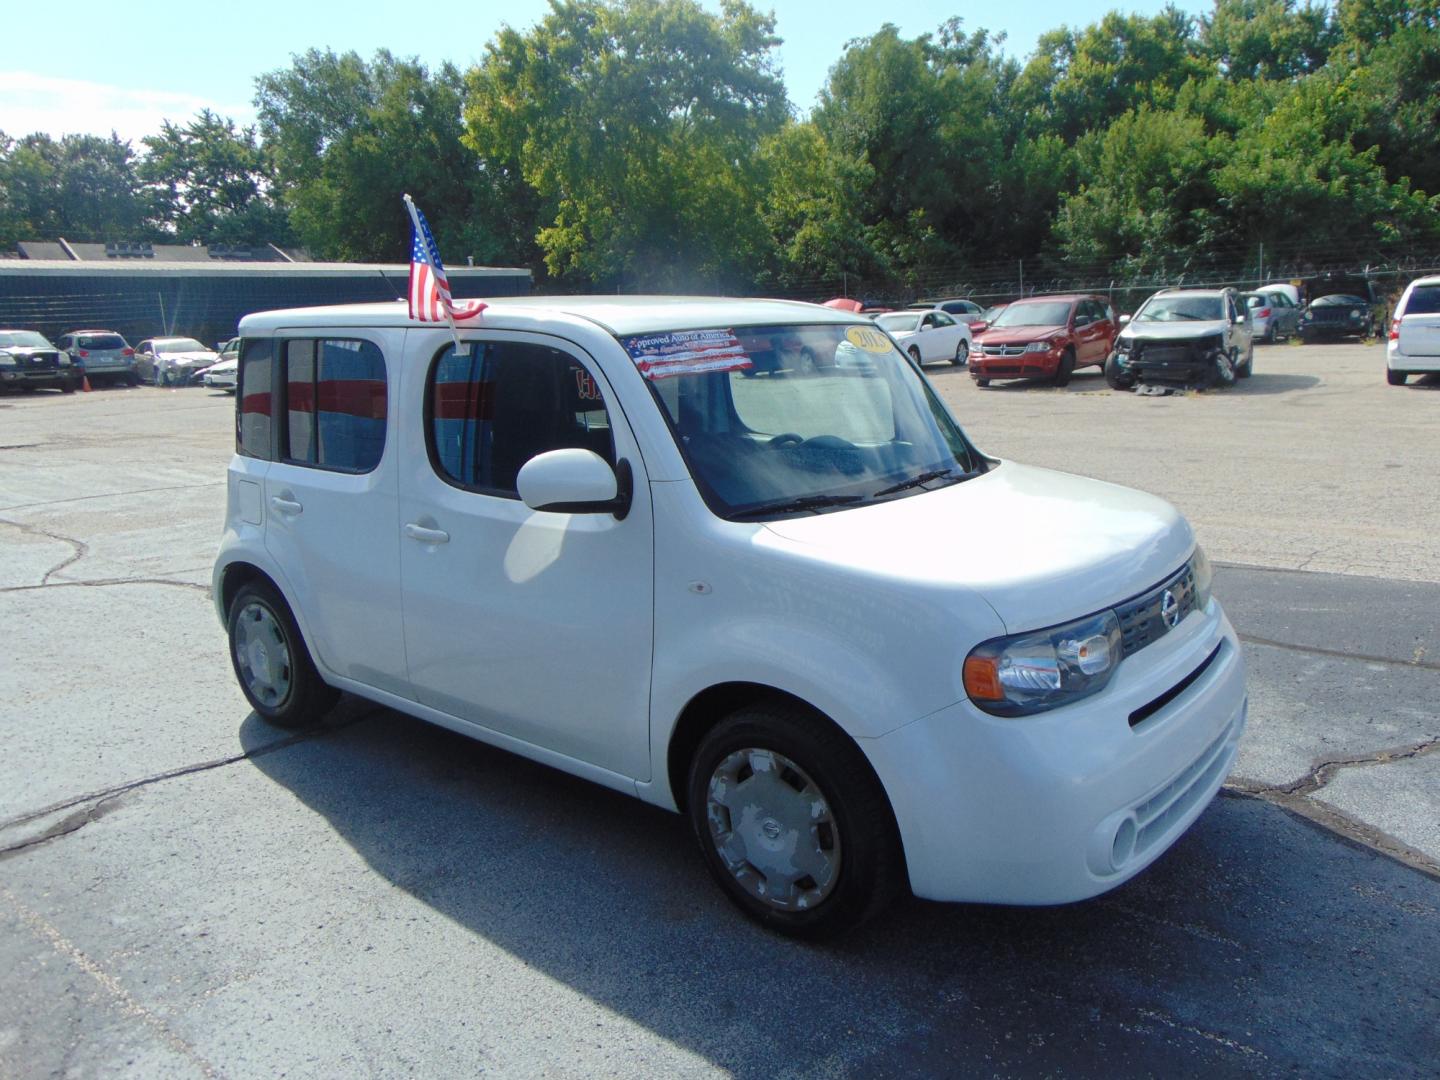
(788, 438)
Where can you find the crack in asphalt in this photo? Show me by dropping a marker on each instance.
(101, 583)
(1322, 772)
(1418, 661)
(112, 494)
(81, 548)
(91, 801)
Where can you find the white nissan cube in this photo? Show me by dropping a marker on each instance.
(736, 558)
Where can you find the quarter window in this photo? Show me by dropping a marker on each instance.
(493, 406)
(254, 382)
(335, 400)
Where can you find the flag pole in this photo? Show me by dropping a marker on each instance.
(419, 234)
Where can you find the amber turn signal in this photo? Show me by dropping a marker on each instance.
(982, 678)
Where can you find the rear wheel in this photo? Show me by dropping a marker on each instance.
(68, 386)
(1396, 378)
(982, 382)
(1244, 370)
(271, 662)
(1065, 368)
(962, 353)
(792, 822)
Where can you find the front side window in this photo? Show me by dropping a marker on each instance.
(335, 398)
(494, 405)
(253, 385)
(763, 440)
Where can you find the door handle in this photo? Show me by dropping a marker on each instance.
(426, 536)
(285, 506)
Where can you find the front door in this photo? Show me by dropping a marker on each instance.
(532, 624)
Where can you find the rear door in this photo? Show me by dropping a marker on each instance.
(330, 497)
(1420, 322)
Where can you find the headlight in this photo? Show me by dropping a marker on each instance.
(1308, 316)
(1357, 314)
(1122, 345)
(6, 360)
(1204, 575)
(64, 359)
(1029, 673)
(1039, 346)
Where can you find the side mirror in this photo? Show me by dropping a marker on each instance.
(575, 481)
(1124, 319)
(1239, 320)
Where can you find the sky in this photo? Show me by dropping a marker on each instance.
(127, 67)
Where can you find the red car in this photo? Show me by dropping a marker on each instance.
(1044, 337)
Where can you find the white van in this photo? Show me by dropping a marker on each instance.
(629, 538)
(1413, 347)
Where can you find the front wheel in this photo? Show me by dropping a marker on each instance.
(792, 822)
(1245, 370)
(271, 662)
(915, 355)
(1116, 377)
(962, 353)
(1065, 368)
(982, 382)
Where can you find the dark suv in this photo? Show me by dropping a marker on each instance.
(1343, 307)
(28, 360)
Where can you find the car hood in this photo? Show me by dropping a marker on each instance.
(1173, 331)
(225, 365)
(190, 359)
(1039, 546)
(1018, 335)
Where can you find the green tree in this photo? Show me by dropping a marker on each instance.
(347, 138)
(1267, 39)
(207, 184)
(638, 128)
(81, 187)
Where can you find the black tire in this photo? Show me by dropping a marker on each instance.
(132, 379)
(1065, 368)
(1271, 336)
(1396, 378)
(915, 355)
(860, 828)
(1116, 377)
(306, 697)
(962, 353)
(68, 386)
(982, 382)
(1245, 370)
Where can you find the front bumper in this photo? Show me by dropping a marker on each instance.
(1012, 365)
(1168, 361)
(1068, 804)
(37, 376)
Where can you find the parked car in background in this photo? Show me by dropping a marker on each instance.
(1336, 316)
(172, 361)
(1188, 337)
(1413, 347)
(29, 361)
(1272, 315)
(929, 335)
(100, 355)
(988, 317)
(967, 310)
(723, 594)
(222, 374)
(1045, 337)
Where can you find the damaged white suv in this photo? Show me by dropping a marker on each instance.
(635, 539)
(1185, 337)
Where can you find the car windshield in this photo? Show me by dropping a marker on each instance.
(1034, 313)
(23, 339)
(780, 420)
(100, 341)
(1424, 300)
(178, 344)
(993, 313)
(1181, 309)
(900, 322)
(1340, 300)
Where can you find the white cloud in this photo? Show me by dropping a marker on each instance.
(57, 106)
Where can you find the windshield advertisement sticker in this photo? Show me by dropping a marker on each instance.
(868, 338)
(687, 352)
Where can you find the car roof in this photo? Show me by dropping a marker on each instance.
(619, 315)
(1433, 279)
(1193, 292)
(1071, 297)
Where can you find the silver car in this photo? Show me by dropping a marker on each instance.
(1273, 315)
(1192, 337)
(101, 355)
(172, 361)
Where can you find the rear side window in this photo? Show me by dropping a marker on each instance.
(335, 399)
(253, 387)
(494, 405)
(1424, 300)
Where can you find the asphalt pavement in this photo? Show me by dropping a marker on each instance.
(185, 891)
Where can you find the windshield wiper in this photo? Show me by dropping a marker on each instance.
(805, 502)
(923, 478)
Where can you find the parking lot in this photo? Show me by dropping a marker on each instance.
(185, 891)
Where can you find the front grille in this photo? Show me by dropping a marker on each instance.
(1142, 620)
(1003, 350)
(1168, 354)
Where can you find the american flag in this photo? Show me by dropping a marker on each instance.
(430, 299)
